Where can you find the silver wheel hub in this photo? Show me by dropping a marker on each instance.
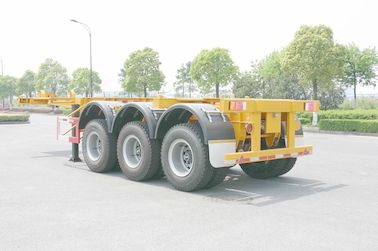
(94, 146)
(180, 157)
(132, 151)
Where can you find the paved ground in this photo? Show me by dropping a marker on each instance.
(328, 202)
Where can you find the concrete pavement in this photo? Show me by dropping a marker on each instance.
(329, 201)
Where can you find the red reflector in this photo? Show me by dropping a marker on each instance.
(238, 105)
(310, 106)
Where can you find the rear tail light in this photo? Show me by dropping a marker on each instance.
(238, 105)
(310, 106)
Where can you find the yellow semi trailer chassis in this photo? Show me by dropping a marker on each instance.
(234, 131)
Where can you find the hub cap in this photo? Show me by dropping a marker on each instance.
(180, 157)
(132, 151)
(94, 146)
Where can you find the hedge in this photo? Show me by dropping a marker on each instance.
(305, 121)
(14, 117)
(343, 114)
(349, 125)
(34, 110)
(349, 114)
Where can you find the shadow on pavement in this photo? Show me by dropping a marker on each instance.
(65, 154)
(240, 188)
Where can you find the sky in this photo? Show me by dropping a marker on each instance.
(31, 31)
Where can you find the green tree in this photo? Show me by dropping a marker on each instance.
(213, 68)
(278, 82)
(313, 57)
(80, 81)
(52, 77)
(359, 67)
(331, 96)
(184, 80)
(26, 84)
(248, 84)
(142, 72)
(7, 88)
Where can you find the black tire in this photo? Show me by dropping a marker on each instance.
(271, 168)
(218, 177)
(140, 167)
(288, 166)
(201, 172)
(268, 169)
(103, 160)
(159, 174)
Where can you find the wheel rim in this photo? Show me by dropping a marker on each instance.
(132, 151)
(94, 146)
(180, 157)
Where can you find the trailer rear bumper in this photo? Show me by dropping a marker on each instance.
(271, 154)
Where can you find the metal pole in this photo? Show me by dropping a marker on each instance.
(2, 72)
(90, 63)
(90, 54)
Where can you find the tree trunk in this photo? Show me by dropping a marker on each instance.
(315, 89)
(217, 90)
(183, 90)
(355, 91)
(190, 89)
(355, 87)
(145, 91)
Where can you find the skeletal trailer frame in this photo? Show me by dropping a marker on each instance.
(233, 128)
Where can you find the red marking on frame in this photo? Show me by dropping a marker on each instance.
(263, 158)
(75, 139)
(242, 160)
(271, 156)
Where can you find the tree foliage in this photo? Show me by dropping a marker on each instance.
(80, 81)
(213, 68)
(7, 87)
(269, 79)
(26, 84)
(52, 77)
(331, 96)
(248, 84)
(184, 81)
(141, 72)
(313, 57)
(359, 67)
(277, 82)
